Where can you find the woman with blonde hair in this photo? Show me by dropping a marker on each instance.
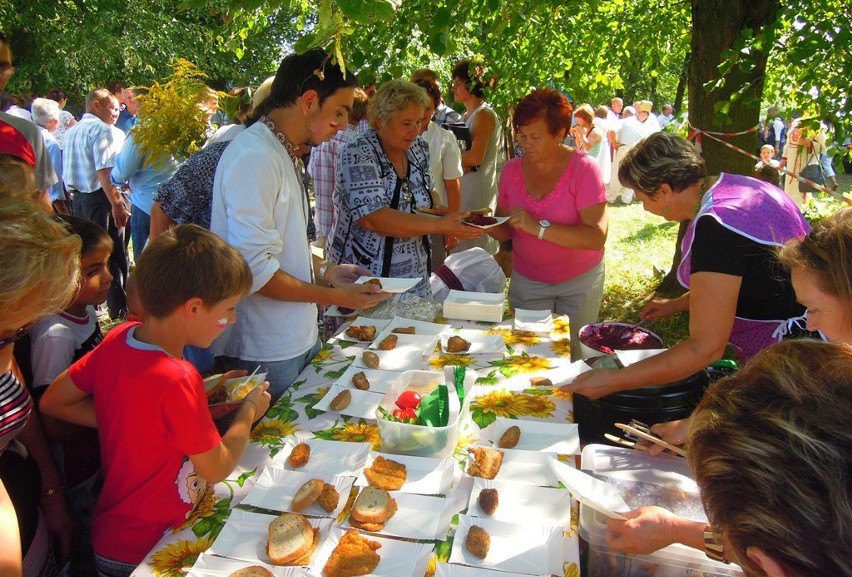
(41, 268)
(383, 176)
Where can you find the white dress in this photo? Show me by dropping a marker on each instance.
(479, 189)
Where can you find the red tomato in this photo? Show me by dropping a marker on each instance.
(409, 400)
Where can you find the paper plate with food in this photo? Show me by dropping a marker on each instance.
(510, 502)
(484, 220)
(518, 547)
(472, 342)
(279, 489)
(287, 539)
(528, 435)
(408, 474)
(400, 515)
(373, 380)
(390, 285)
(347, 553)
(393, 360)
(511, 465)
(347, 400)
(319, 456)
(226, 395)
(388, 340)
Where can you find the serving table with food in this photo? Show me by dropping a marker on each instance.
(383, 451)
(405, 448)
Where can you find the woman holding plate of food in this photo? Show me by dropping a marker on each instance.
(383, 176)
(556, 204)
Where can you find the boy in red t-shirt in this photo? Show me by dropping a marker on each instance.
(159, 445)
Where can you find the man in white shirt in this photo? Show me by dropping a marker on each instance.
(89, 152)
(614, 113)
(259, 206)
(666, 117)
(46, 117)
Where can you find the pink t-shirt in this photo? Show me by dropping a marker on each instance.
(152, 412)
(579, 187)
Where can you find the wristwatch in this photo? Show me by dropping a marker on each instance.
(713, 546)
(542, 224)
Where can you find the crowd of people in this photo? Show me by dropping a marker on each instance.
(225, 268)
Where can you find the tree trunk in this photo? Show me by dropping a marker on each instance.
(716, 25)
(681, 84)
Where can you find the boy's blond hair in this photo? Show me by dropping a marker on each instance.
(768, 147)
(189, 262)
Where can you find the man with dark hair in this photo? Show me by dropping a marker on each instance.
(260, 207)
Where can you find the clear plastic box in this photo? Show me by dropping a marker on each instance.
(408, 439)
(669, 473)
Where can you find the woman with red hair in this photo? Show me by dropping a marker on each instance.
(556, 204)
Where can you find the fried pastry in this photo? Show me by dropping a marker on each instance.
(361, 332)
(456, 344)
(541, 382)
(509, 439)
(386, 474)
(478, 542)
(329, 498)
(404, 330)
(488, 501)
(341, 401)
(360, 381)
(354, 555)
(299, 455)
(371, 360)
(486, 462)
(388, 343)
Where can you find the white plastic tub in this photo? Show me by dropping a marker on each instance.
(408, 439)
(672, 475)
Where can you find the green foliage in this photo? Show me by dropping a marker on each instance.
(822, 206)
(171, 119)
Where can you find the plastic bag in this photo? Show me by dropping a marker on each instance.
(474, 268)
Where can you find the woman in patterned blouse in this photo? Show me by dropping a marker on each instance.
(382, 179)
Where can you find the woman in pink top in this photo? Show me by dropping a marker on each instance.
(556, 204)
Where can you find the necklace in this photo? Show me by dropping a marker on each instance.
(292, 149)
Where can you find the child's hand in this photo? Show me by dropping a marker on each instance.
(260, 399)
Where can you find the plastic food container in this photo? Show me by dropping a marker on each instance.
(474, 306)
(420, 440)
(590, 349)
(644, 480)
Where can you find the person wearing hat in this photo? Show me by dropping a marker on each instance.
(649, 122)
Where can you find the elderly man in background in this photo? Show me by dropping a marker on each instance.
(666, 117)
(91, 146)
(622, 136)
(46, 117)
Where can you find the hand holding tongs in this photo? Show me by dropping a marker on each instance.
(636, 431)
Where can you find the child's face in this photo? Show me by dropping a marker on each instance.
(96, 278)
(211, 321)
(766, 155)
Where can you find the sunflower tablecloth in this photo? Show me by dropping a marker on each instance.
(502, 390)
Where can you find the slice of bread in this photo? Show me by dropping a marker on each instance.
(373, 505)
(306, 558)
(290, 537)
(307, 494)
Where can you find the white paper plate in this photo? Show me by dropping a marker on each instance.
(535, 321)
(398, 558)
(525, 467)
(328, 457)
(336, 311)
(420, 327)
(480, 342)
(521, 548)
(561, 438)
(380, 381)
(392, 285)
(425, 344)
(598, 495)
(363, 404)
(363, 322)
(547, 505)
(452, 570)
(208, 565)
(396, 360)
(276, 487)
(500, 220)
(417, 517)
(424, 475)
(245, 536)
